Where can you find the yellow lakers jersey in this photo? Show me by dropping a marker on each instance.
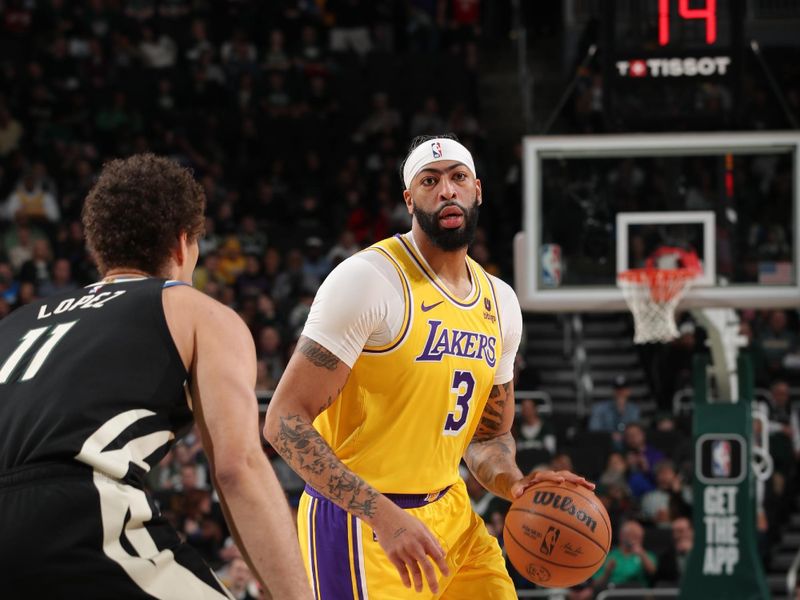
(409, 408)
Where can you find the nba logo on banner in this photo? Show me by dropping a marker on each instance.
(721, 458)
(436, 149)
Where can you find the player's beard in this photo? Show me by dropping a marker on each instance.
(449, 239)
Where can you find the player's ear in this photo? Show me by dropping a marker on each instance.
(181, 251)
(478, 191)
(409, 201)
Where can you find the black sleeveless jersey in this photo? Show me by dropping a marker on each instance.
(92, 375)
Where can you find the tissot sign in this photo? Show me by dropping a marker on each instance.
(704, 66)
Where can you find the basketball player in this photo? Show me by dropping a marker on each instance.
(95, 386)
(404, 367)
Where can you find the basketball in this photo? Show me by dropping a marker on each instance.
(557, 535)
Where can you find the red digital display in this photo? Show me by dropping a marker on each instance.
(708, 13)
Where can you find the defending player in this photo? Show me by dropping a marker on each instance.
(94, 387)
(405, 366)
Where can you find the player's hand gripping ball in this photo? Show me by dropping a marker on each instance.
(557, 534)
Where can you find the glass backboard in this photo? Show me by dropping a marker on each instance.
(596, 205)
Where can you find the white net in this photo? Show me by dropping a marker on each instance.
(652, 295)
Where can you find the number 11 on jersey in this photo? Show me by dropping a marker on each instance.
(26, 343)
(464, 387)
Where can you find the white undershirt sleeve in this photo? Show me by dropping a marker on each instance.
(511, 329)
(359, 304)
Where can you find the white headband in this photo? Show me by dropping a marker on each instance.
(433, 150)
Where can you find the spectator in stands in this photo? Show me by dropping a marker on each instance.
(157, 51)
(315, 261)
(11, 132)
(37, 269)
(18, 243)
(483, 501)
(615, 473)
(613, 489)
(264, 380)
(202, 528)
(251, 281)
(628, 562)
(533, 431)
(672, 563)
(231, 260)
(293, 280)
(270, 350)
(208, 272)
(350, 31)
(345, 247)
(641, 458)
(669, 500)
(31, 201)
(428, 118)
(188, 479)
(614, 415)
(774, 343)
(25, 295)
(239, 580)
(8, 285)
(561, 462)
(61, 280)
(252, 238)
(784, 418)
(382, 119)
(675, 364)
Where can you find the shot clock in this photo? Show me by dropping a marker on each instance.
(671, 64)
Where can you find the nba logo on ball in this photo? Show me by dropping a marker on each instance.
(549, 541)
(551, 265)
(436, 150)
(721, 458)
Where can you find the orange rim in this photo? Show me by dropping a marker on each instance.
(664, 284)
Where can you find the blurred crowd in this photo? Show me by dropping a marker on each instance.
(294, 116)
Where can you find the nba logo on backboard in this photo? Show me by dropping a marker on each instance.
(721, 458)
(436, 150)
(551, 265)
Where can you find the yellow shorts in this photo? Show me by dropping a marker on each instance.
(345, 562)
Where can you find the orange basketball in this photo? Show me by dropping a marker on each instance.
(557, 535)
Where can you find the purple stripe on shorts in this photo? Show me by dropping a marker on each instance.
(332, 552)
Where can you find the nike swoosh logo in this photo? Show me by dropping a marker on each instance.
(429, 307)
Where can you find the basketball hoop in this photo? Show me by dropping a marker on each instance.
(653, 292)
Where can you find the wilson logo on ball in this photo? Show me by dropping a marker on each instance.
(565, 504)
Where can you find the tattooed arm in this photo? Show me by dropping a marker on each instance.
(301, 396)
(491, 454)
(311, 383)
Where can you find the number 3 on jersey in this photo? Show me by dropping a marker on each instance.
(26, 343)
(463, 387)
